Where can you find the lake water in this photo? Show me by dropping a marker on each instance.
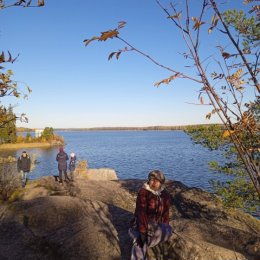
(133, 154)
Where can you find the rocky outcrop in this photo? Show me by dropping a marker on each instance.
(88, 219)
(102, 174)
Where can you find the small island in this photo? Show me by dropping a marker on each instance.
(42, 138)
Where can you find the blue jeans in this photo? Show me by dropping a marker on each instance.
(23, 177)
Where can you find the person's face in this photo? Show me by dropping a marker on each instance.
(154, 184)
(24, 154)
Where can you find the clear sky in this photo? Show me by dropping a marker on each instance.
(76, 86)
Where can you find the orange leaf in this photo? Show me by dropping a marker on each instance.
(176, 16)
(227, 133)
(167, 81)
(108, 35)
(197, 23)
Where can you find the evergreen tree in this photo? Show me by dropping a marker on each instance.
(48, 133)
(8, 130)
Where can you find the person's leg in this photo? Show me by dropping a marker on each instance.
(56, 177)
(72, 175)
(66, 176)
(22, 177)
(25, 178)
(60, 176)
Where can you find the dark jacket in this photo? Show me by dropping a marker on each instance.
(72, 163)
(24, 163)
(62, 158)
(151, 207)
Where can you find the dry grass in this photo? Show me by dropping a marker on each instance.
(23, 145)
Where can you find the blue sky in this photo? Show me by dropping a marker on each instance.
(76, 86)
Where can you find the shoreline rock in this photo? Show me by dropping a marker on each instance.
(88, 219)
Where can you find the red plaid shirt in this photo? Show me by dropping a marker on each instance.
(151, 208)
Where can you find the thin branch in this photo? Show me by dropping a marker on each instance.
(198, 104)
(157, 63)
(257, 85)
(169, 15)
(200, 19)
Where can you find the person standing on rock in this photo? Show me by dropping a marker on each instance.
(150, 226)
(62, 159)
(72, 165)
(24, 166)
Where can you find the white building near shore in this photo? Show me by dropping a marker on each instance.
(38, 132)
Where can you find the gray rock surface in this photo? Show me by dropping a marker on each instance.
(88, 219)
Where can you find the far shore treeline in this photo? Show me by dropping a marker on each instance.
(146, 128)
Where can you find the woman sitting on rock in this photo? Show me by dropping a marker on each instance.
(151, 225)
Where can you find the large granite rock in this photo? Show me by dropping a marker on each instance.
(88, 219)
(102, 174)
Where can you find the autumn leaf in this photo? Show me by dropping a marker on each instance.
(108, 35)
(214, 22)
(208, 116)
(111, 55)
(10, 72)
(236, 81)
(227, 133)
(213, 19)
(2, 57)
(118, 54)
(88, 41)
(238, 73)
(121, 24)
(40, 2)
(176, 16)
(9, 57)
(168, 80)
(226, 55)
(197, 23)
(29, 89)
(201, 101)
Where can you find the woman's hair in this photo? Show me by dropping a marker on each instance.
(156, 174)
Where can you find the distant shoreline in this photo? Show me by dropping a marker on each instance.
(146, 128)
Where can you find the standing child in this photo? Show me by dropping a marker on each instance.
(72, 165)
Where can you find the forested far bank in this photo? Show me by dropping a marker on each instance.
(146, 128)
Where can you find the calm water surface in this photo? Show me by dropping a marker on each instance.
(133, 154)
